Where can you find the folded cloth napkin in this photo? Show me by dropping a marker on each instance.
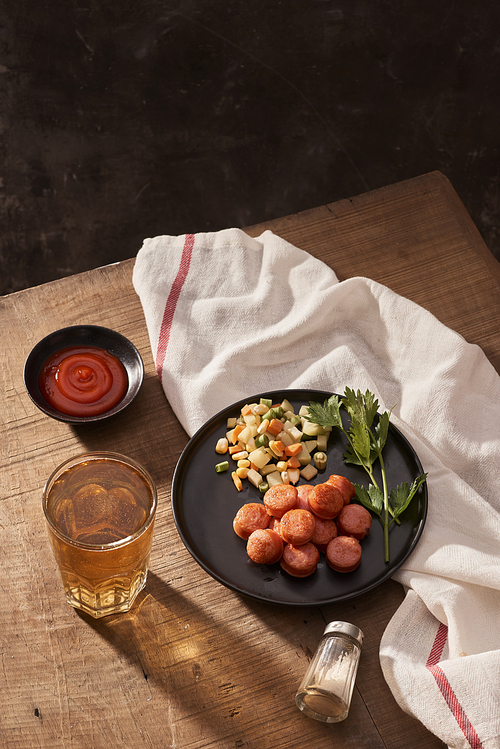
(230, 316)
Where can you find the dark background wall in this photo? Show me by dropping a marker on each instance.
(124, 119)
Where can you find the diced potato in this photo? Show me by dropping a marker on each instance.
(323, 441)
(251, 420)
(309, 472)
(304, 411)
(248, 432)
(274, 478)
(289, 415)
(295, 434)
(310, 429)
(304, 457)
(251, 444)
(311, 445)
(270, 468)
(231, 423)
(259, 457)
(286, 405)
(254, 477)
(285, 438)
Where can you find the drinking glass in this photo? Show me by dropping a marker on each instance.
(100, 509)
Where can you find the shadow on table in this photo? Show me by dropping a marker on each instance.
(182, 644)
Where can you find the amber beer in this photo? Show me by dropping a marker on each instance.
(100, 510)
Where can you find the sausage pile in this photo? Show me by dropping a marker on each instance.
(295, 524)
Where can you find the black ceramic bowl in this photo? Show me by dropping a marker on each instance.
(83, 335)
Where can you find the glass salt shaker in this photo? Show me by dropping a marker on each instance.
(326, 689)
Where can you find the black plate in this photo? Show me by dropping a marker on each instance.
(83, 335)
(204, 504)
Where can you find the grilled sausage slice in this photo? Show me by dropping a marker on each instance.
(280, 498)
(297, 526)
(344, 486)
(343, 553)
(265, 546)
(324, 531)
(249, 518)
(300, 561)
(326, 501)
(354, 520)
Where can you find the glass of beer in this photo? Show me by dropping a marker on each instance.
(100, 509)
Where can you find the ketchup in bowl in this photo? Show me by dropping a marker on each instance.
(83, 380)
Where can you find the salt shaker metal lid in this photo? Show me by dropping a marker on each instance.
(346, 629)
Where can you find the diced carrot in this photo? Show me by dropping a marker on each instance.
(246, 410)
(294, 449)
(236, 448)
(237, 481)
(278, 445)
(293, 462)
(276, 452)
(237, 431)
(275, 426)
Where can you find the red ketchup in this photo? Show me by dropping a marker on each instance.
(83, 380)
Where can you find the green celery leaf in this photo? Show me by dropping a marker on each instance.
(371, 406)
(351, 457)
(326, 415)
(360, 440)
(401, 497)
(371, 498)
(353, 404)
(361, 408)
(381, 430)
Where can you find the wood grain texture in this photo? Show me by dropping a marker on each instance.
(193, 665)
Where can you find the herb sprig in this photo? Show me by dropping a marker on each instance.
(365, 444)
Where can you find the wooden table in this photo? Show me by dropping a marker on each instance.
(193, 665)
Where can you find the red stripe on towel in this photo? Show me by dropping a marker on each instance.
(446, 689)
(173, 298)
(438, 646)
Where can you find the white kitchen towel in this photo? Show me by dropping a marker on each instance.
(230, 316)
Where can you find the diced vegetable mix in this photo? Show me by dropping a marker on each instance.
(271, 444)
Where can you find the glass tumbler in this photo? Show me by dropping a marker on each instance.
(100, 509)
